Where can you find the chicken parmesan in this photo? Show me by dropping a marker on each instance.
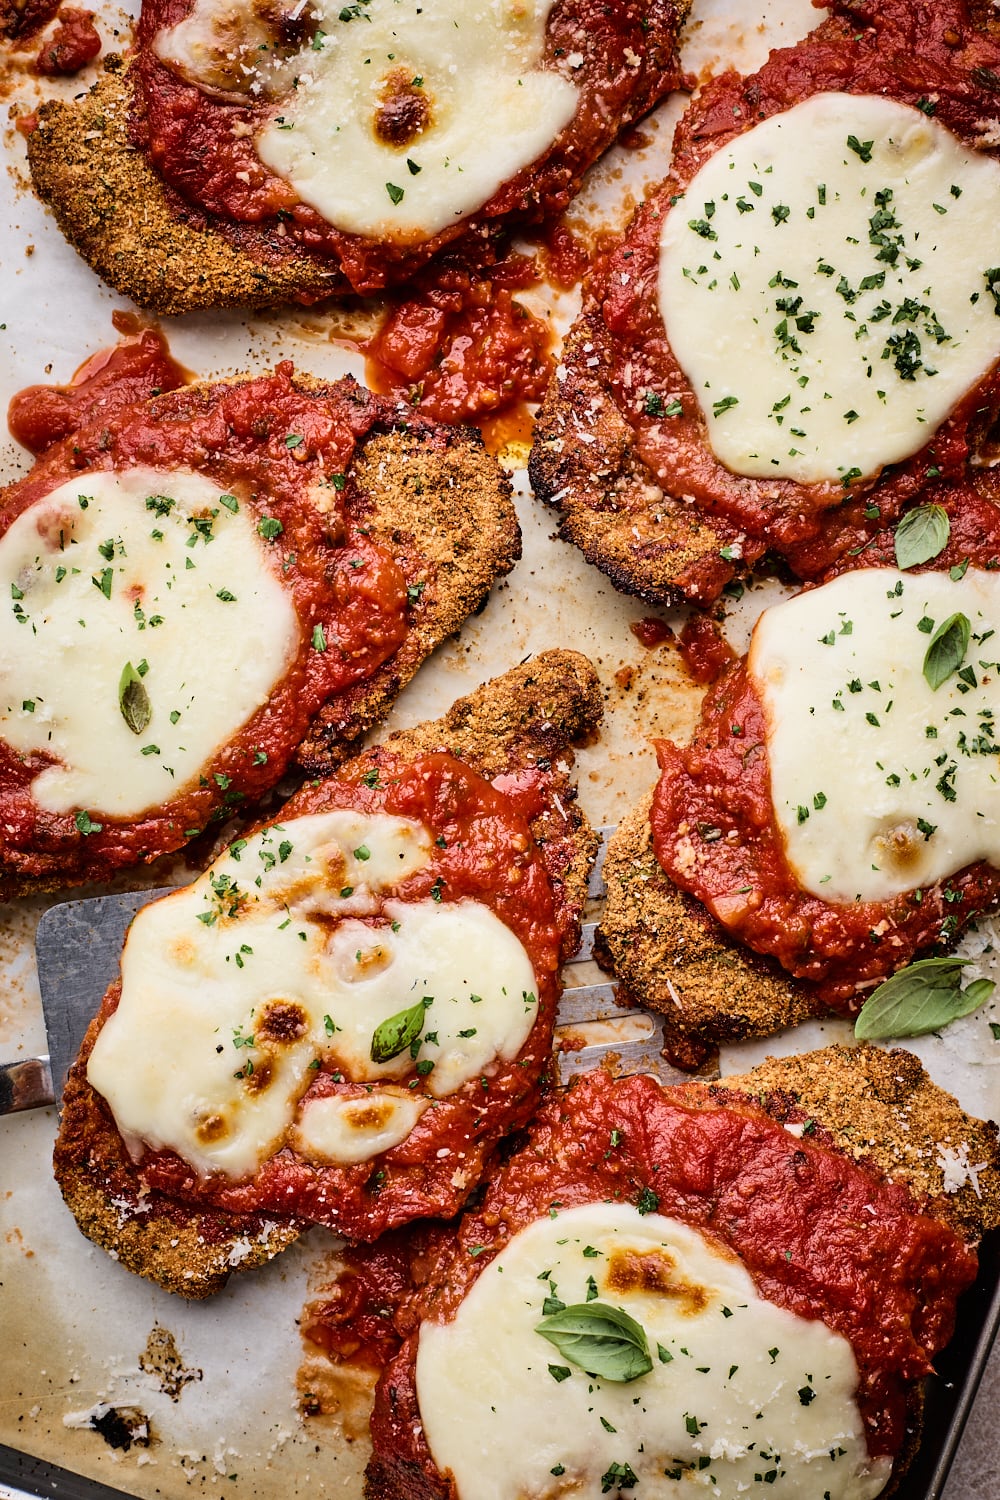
(698, 1287)
(832, 808)
(256, 152)
(799, 332)
(829, 821)
(353, 1004)
(200, 583)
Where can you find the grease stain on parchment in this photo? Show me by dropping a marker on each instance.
(335, 1396)
(161, 1359)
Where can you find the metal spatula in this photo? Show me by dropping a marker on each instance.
(77, 948)
(78, 945)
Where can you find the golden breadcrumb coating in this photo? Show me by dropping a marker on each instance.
(672, 955)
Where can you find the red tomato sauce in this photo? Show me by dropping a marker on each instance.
(20, 22)
(203, 146)
(354, 1320)
(74, 43)
(651, 632)
(819, 1234)
(464, 349)
(715, 835)
(861, 533)
(704, 649)
(567, 255)
(913, 53)
(269, 442)
(133, 370)
(483, 850)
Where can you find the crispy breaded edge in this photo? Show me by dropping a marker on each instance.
(112, 207)
(193, 1255)
(531, 713)
(442, 506)
(882, 1108)
(583, 462)
(671, 955)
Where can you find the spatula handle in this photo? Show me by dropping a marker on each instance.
(25, 1085)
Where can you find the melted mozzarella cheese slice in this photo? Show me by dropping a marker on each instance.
(402, 119)
(881, 783)
(742, 1389)
(234, 987)
(146, 569)
(827, 284)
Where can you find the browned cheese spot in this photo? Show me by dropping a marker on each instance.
(241, 37)
(260, 1079)
(404, 110)
(281, 1022)
(369, 961)
(370, 1114)
(329, 864)
(211, 1128)
(290, 24)
(898, 846)
(182, 950)
(53, 530)
(654, 1271)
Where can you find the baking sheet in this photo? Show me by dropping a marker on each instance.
(218, 1384)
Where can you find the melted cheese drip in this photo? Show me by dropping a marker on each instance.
(234, 986)
(110, 569)
(743, 1389)
(404, 118)
(880, 783)
(830, 303)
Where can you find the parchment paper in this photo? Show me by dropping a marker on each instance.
(216, 1382)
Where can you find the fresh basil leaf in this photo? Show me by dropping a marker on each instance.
(133, 700)
(921, 535)
(922, 997)
(602, 1340)
(393, 1036)
(947, 649)
(974, 995)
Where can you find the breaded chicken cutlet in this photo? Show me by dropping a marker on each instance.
(309, 534)
(671, 954)
(190, 176)
(843, 1185)
(763, 361)
(495, 761)
(824, 840)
